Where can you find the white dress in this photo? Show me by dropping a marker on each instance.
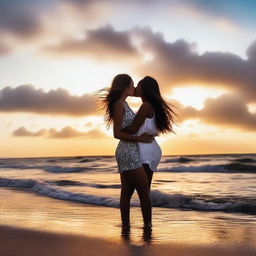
(150, 153)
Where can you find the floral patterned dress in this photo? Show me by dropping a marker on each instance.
(127, 152)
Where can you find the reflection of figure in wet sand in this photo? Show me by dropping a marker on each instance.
(146, 236)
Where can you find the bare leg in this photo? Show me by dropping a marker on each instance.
(149, 173)
(139, 180)
(127, 190)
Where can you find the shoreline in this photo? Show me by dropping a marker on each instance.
(166, 155)
(34, 212)
(28, 242)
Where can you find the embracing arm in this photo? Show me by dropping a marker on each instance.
(118, 133)
(139, 119)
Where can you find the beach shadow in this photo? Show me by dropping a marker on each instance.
(133, 249)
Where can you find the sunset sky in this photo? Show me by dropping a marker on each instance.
(55, 55)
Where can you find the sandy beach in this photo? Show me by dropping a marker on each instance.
(25, 242)
(46, 226)
(61, 207)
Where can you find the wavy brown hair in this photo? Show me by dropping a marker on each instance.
(164, 114)
(109, 96)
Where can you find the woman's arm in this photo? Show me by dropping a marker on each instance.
(121, 135)
(140, 117)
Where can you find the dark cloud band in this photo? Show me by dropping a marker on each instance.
(228, 110)
(25, 98)
(64, 133)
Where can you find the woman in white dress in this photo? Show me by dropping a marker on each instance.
(154, 116)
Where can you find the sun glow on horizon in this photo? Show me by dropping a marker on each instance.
(252, 108)
(195, 96)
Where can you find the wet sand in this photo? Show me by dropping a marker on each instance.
(37, 225)
(25, 242)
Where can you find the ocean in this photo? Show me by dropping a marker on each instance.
(214, 187)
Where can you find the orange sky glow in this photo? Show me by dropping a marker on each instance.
(55, 55)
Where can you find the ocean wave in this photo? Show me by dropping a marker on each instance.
(16, 166)
(201, 168)
(78, 183)
(221, 168)
(17, 183)
(61, 169)
(232, 204)
(51, 168)
(29, 183)
(55, 192)
(178, 160)
(159, 199)
(226, 168)
(84, 161)
(241, 167)
(66, 183)
(46, 189)
(245, 160)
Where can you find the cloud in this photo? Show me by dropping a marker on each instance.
(20, 18)
(69, 132)
(25, 98)
(251, 51)
(178, 63)
(96, 133)
(227, 110)
(25, 23)
(45, 21)
(22, 131)
(103, 44)
(65, 132)
(171, 63)
(4, 49)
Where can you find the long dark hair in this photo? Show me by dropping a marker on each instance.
(163, 112)
(109, 96)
